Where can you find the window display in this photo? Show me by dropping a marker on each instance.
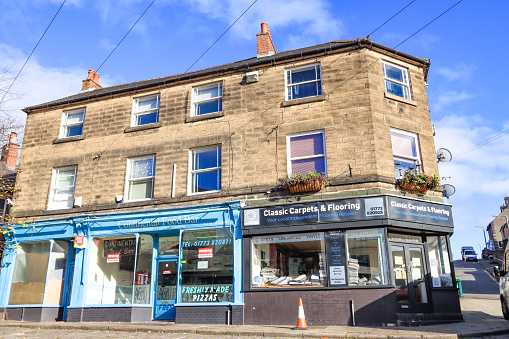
(30, 269)
(207, 266)
(439, 262)
(289, 260)
(111, 277)
(367, 257)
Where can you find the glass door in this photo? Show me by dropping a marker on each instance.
(410, 278)
(166, 289)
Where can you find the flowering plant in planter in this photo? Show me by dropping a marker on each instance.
(310, 182)
(418, 181)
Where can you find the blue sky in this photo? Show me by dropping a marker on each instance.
(467, 80)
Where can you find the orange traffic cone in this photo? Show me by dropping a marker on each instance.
(301, 321)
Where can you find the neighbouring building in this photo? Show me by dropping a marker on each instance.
(158, 199)
(8, 170)
(498, 228)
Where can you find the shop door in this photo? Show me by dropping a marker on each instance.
(410, 278)
(166, 289)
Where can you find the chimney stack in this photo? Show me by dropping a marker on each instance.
(265, 46)
(91, 82)
(10, 151)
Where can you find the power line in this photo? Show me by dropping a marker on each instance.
(220, 36)
(482, 143)
(33, 50)
(129, 31)
(392, 17)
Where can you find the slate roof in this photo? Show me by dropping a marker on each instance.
(244, 64)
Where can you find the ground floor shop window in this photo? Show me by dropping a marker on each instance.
(115, 277)
(207, 266)
(439, 262)
(367, 257)
(289, 260)
(30, 269)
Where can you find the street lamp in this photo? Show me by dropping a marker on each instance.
(484, 234)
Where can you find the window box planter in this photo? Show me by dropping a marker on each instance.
(418, 182)
(411, 187)
(312, 186)
(301, 183)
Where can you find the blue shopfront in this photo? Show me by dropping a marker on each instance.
(180, 264)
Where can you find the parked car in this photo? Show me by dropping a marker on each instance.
(469, 255)
(503, 286)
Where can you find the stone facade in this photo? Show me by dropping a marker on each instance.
(354, 111)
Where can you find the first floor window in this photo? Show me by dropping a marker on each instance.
(439, 262)
(140, 178)
(145, 110)
(367, 258)
(62, 190)
(396, 80)
(302, 82)
(207, 99)
(40, 266)
(115, 276)
(289, 260)
(72, 123)
(306, 153)
(207, 266)
(206, 170)
(405, 150)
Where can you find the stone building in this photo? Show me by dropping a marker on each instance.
(159, 199)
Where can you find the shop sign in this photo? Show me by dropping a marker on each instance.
(317, 212)
(205, 252)
(419, 211)
(124, 246)
(113, 257)
(207, 293)
(336, 258)
(167, 272)
(79, 241)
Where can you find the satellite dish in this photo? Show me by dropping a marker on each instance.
(449, 190)
(444, 155)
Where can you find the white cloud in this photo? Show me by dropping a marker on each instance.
(481, 170)
(38, 84)
(460, 71)
(311, 21)
(446, 99)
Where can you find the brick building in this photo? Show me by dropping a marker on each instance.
(158, 199)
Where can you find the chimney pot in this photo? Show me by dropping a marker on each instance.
(264, 27)
(264, 45)
(92, 82)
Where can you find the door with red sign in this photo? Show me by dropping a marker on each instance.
(166, 289)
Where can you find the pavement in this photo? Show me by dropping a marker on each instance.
(481, 311)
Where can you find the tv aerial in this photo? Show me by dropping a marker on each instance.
(448, 191)
(444, 155)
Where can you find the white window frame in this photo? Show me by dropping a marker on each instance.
(289, 158)
(52, 204)
(136, 113)
(406, 80)
(288, 95)
(417, 158)
(195, 102)
(64, 125)
(129, 180)
(192, 171)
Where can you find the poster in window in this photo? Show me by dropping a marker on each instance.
(336, 257)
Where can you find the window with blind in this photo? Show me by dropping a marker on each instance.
(303, 82)
(306, 153)
(405, 150)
